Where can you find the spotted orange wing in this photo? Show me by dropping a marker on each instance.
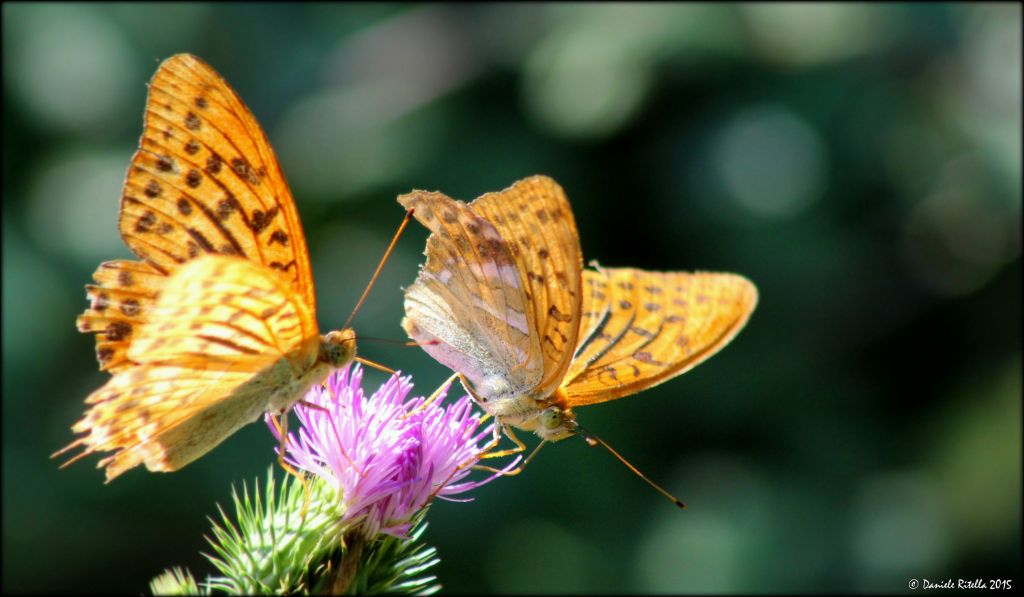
(119, 303)
(642, 328)
(534, 218)
(226, 339)
(468, 307)
(203, 181)
(218, 316)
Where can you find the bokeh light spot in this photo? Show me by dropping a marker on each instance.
(70, 68)
(577, 84)
(73, 206)
(804, 34)
(697, 553)
(771, 162)
(957, 237)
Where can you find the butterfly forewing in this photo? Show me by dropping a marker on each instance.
(655, 325)
(205, 180)
(534, 219)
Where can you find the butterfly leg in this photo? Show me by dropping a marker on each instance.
(433, 397)
(281, 424)
(314, 406)
(520, 446)
(485, 454)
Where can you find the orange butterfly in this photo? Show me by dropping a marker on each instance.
(216, 323)
(504, 301)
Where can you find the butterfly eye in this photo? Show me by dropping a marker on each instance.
(551, 417)
(338, 347)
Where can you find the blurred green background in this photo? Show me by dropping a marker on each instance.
(860, 163)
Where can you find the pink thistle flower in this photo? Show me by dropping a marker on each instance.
(386, 456)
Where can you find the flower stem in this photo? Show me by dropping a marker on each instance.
(346, 571)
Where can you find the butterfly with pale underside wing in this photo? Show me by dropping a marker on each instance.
(215, 324)
(504, 301)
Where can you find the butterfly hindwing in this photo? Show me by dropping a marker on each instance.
(167, 416)
(499, 296)
(647, 327)
(468, 307)
(220, 307)
(119, 303)
(226, 334)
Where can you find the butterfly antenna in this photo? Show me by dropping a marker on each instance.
(383, 260)
(593, 440)
(405, 343)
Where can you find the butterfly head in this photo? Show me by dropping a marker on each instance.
(338, 348)
(555, 423)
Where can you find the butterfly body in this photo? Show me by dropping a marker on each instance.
(504, 300)
(216, 322)
(289, 378)
(551, 419)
